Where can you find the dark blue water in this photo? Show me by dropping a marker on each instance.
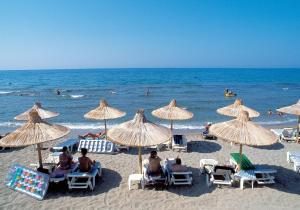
(199, 90)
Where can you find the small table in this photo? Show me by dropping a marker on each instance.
(135, 177)
(248, 175)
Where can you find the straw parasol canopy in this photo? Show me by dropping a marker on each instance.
(43, 113)
(104, 112)
(244, 132)
(172, 112)
(294, 110)
(139, 132)
(233, 109)
(35, 131)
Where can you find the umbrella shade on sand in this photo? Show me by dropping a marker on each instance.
(35, 131)
(172, 112)
(139, 132)
(43, 113)
(104, 112)
(232, 110)
(294, 110)
(244, 132)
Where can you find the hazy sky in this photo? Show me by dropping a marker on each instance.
(152, 33)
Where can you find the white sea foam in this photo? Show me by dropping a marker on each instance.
(276, 122)
(5, 92)
(77, 96)
(100, 125)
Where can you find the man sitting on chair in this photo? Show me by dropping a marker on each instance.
(177, 167)
(85, 163)
(154, 164)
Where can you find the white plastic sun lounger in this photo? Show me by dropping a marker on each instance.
(179, 143)
(288, 134)
(152, 180)
(177, 178)
(84, 180)
(220, 175)
(98, 146)
(294, 157)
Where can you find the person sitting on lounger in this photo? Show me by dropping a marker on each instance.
(177, 167)
(91, 135)
(64, 165)
(85, 163)
(65, 159)
(154, 164)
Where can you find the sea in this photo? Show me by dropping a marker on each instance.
(200, 91)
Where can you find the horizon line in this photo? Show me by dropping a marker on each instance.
(114, 68)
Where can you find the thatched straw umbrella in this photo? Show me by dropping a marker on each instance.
(139, 132)
(172, 112)
(43, 113)
(34, 131)
(233, 109)
(104, 112)
(244, 132)
(295, 110)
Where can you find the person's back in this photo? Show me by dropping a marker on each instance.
(154, 163)
(65, 159)
(85, 163)
(177, 167)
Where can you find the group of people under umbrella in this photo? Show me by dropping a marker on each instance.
(139, 132)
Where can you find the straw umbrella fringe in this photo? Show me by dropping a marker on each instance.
(35, 131)
(44, 114)
(172, 112)
(244, 132)
(104, 112)
(139, 132)
(234, 109)
(294, 110)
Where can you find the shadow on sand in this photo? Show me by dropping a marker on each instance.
(277, 146)
(286, 179)
(198, 188)
(204, 146)
(102, 186)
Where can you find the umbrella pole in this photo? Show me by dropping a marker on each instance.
(40, 155)
(140, 160)
(297, 134)
(171, 128)
(241, 155)
(105, 129)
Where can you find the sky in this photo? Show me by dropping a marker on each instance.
(53, 34)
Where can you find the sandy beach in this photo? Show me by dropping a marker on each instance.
(112, 192)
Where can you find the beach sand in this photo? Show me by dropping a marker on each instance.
(112, 192)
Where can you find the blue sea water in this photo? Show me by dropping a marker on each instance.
(198, 90)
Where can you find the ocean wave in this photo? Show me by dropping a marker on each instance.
(76, 96)
(5, 92)
(277, 122)
(10, 124)
(100, 125)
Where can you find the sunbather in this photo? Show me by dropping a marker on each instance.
(91, 135)
(65, 163)
(154, 164)
(85, 163)
(177, 167)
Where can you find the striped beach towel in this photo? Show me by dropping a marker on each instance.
(97, 146)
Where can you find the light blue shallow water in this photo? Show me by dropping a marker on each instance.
(199, 90)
